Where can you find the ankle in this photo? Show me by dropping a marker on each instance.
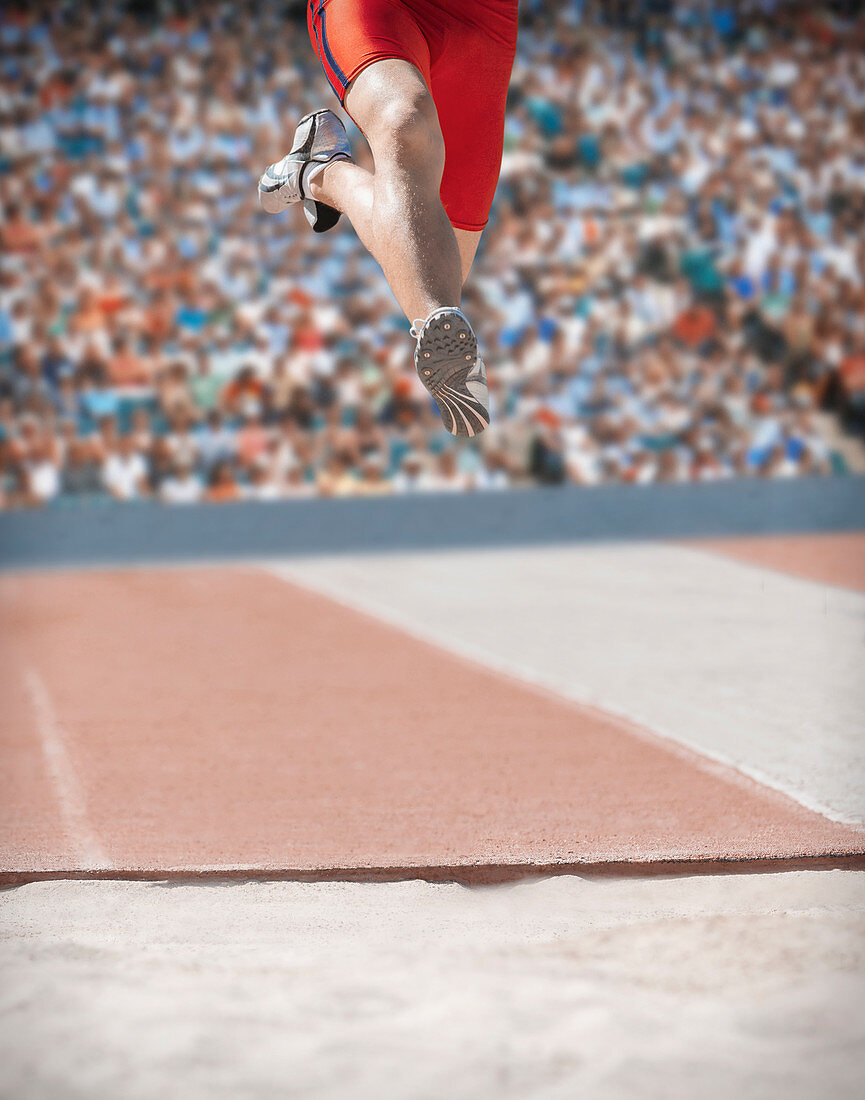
(315, 182)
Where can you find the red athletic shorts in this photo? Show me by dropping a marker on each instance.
(465, 51)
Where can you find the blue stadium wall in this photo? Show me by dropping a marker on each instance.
(118, 534)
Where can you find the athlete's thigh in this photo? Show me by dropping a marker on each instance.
(384, 92)
(350, 36)
(469, 83)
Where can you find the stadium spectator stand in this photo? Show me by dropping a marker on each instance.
(671, 287)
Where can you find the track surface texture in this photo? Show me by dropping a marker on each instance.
(219, 719)
(749, 986)
(747, 665)
(835, 559)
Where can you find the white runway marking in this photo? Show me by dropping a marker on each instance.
(64, 777)
(749, 667)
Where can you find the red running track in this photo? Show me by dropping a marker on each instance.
(218, 718)
(831, 558)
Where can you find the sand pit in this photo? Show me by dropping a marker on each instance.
(746, 986)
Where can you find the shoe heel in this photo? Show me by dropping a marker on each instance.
(320, 216)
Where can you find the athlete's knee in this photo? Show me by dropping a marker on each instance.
(407, 129)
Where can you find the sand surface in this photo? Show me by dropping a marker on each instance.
(744, 986)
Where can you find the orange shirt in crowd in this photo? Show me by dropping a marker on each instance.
(19, 236)
(240, 388)
(307, 338)
(128, 369)
(55, 92)
(89, 318)
(111, 301)
(180, 279)
(853, 372)
(695, 326)
(225, 491)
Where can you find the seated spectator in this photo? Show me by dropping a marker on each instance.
(66, 398)
(126, 367)
(124, 471)
(30, 388)
(96, 397)
(338, 478)
(252, 439)
(222, 484)
(12, 476)
(82, 470)
(493, 472)
(852, 376)
(215, 441)
(263, 485)
(695, 326)
(89, 318)
(17, 233)
(204, 386)
(42, 472)
(447, 476)
(372, 476)
(105, 439)
(244, 395)
(160, 465)
(411, 477)
(672, 272)
(370, 436)
(182, 486)
(173, 393)
(141, 430)
(182, 440)
(296, 485)
(280, 388)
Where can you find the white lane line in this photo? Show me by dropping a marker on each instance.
(64, 777)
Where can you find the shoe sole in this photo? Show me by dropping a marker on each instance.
(445, 356)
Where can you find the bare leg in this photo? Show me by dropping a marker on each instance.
(350, 189)
(467, 242)
(396, 211)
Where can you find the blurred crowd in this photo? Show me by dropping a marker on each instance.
(671, 286)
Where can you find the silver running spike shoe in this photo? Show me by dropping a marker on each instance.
(319, 139)
(448, 364)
